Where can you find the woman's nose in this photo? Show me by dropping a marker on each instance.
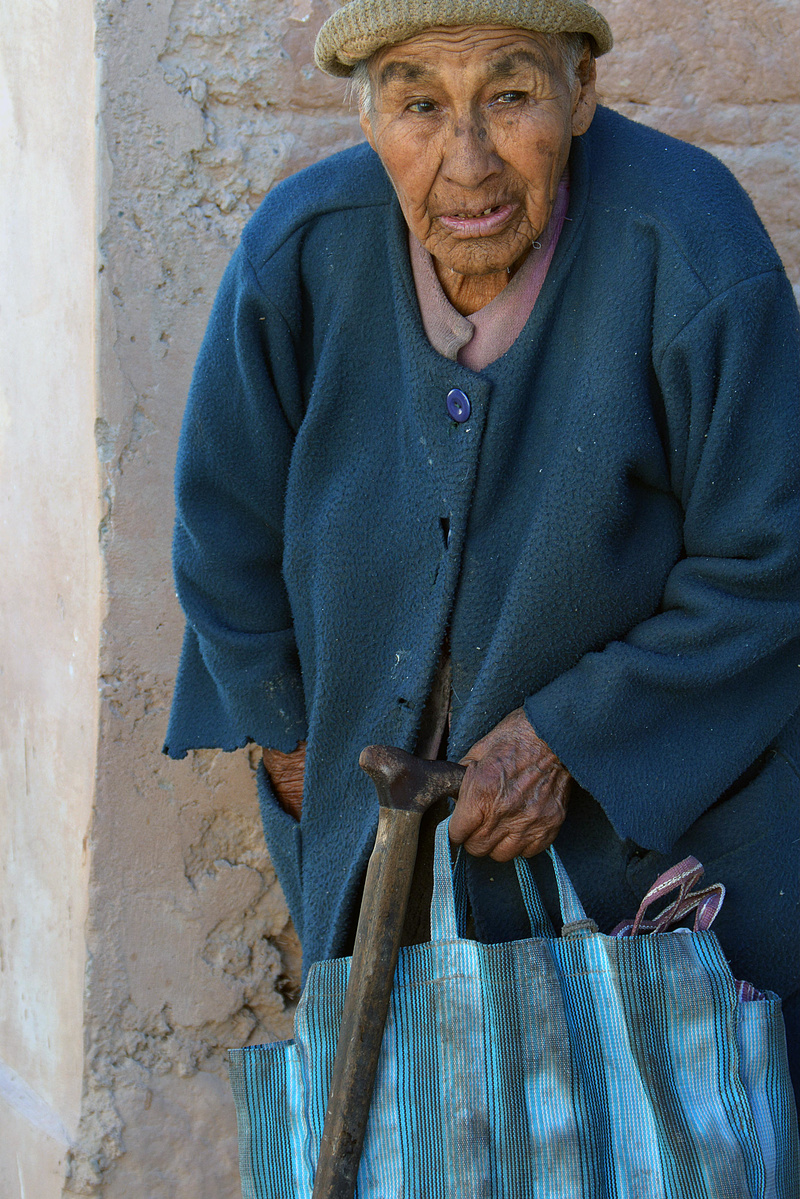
(469, 155)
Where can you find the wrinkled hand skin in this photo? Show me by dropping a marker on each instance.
(514, 796)
(286, 773)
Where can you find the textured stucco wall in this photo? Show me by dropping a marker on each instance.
(202, 107)
(50, 579)
(190, 946)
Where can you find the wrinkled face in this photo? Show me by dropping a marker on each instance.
(474, 128)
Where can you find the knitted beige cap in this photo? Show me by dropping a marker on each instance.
(360, 27)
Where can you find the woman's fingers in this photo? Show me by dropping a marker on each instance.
(537, 828)
(522, 820)
(286, 774)
(514, 795)
(470, 813)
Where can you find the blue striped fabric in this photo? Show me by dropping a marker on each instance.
(579, 1067)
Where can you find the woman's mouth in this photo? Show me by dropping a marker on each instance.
(480, 224)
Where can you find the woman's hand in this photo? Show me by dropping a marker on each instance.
(286, 772)
(514, 796)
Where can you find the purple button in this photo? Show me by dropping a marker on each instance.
(458, 405)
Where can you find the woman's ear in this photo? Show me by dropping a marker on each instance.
(585, 102)
(366, 125)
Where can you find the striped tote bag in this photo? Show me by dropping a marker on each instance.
(579, 1066)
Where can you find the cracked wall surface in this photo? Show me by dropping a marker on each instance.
(201, 108)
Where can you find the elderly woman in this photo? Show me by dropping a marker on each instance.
(488, 453)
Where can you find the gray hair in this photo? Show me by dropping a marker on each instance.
(571, 48)
(359, 86)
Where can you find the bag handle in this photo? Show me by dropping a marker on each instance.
(681, 878)
(448, 906)
(574, 921)
(541, 924)
(447, 918)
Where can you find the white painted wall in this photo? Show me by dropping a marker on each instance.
(50, 578)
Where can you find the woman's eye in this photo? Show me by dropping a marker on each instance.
(508, 98)
(422, 106)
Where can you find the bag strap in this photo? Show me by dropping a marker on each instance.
(681, 878)
(447, 921)
(572, 910)
(449, 902)
(541, 924)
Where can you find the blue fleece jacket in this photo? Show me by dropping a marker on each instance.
(611, 537)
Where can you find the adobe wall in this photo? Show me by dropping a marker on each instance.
(202, 106)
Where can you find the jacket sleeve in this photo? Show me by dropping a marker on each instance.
(658, 725)
(239, 676)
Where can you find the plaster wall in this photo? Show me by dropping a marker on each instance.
(50, 579)
(202, 107)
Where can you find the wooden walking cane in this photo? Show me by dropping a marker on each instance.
(407, 787)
